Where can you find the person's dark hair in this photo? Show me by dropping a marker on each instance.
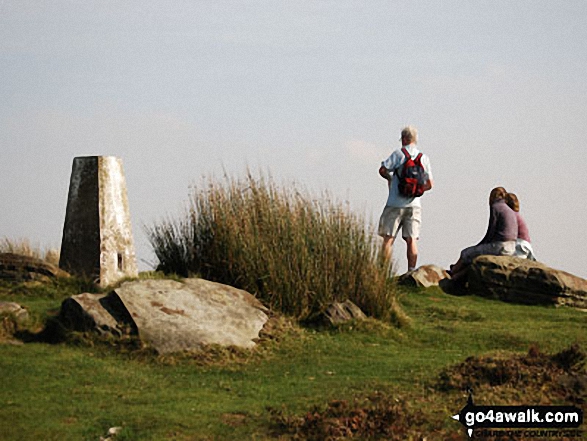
(512, 200)
(497, 193)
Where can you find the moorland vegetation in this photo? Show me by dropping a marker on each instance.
(383, 378)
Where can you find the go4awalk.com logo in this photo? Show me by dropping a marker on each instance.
(560, 420)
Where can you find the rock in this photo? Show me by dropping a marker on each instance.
(456, 288)
(19, 313)
(18, 267)
(424, 276)
(338, 313)
(174, 316)
(171, 316)
(524, 281)
(113, 431)
(103, 313)
(12, 316)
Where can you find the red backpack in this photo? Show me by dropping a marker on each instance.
(413, 179)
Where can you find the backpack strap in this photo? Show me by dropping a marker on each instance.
(407, 158)
(406, 154)
(418, 159)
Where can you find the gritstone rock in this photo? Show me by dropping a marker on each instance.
(12, 316)
(424, 276)
(338, 313)
(171, 316)
(101, 313)
(19, 313)
(524, 281)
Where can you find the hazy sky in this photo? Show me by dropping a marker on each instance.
(314, 92)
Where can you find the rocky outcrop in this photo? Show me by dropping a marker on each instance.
(523, 281)
(18, 267)
(338, 313)
(20, 314)
(170, 316)
(424, 276)
(12, 317)
(101, 313)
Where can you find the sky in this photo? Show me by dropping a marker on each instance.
(314, 93)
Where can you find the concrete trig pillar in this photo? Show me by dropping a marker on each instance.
(97, 236)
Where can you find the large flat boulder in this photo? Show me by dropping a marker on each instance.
(524, 281)
(171, 316)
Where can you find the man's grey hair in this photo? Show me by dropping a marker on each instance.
(410, 134)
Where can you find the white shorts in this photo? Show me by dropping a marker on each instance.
(393, 218)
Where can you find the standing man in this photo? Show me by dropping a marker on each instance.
(402, 211)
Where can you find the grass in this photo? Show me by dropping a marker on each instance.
(77, 392)
(296, 253)
(25, 248)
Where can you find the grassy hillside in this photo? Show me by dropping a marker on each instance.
(300, 383)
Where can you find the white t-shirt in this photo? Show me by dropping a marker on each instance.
(393, 165)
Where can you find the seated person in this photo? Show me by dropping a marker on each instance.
(500, 238)
(523, 245)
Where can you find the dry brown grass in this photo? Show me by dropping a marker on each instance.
(24, 247)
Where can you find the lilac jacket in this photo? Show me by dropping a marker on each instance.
(503, 223)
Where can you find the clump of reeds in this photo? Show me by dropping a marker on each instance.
(25, 248)
(296, 253)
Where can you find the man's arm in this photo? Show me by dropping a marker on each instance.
(384, 173)
(428, 169)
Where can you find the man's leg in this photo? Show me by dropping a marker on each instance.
(387, 247)
(412, 252)
(411, 232)
(388, 228)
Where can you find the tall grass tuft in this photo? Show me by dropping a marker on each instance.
(296, 253)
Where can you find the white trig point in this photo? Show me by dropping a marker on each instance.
(97, 235)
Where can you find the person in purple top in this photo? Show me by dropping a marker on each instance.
(500, 238)
(523, 245)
